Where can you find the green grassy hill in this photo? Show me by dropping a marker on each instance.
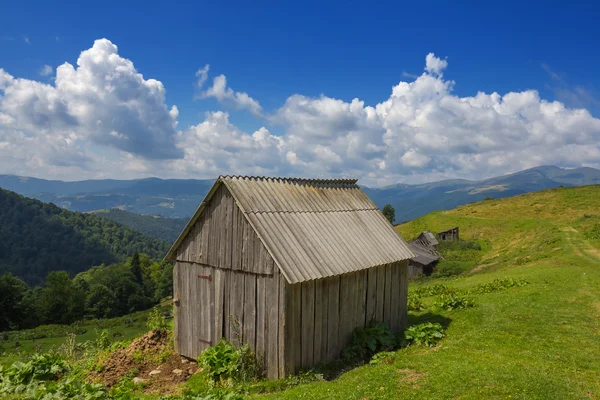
(36, 238)
(537, 341)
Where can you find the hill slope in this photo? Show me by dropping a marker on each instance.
(181, 197)
(538, 341)
(36, 238)
(165, 229)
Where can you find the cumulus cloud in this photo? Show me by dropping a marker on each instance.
(103, 118)
(202, 75)
(226, 95)
(46, 70)
(103, 100)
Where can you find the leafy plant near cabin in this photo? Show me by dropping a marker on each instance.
(433, 290)
(368, 341)
(227, 365)
(41, 367)
(414, 303)
(156, 320)
(499, 284)
(426, 334)
(453, 301)
(382, 357)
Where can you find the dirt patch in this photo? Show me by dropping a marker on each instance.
(151, 360)
(410, 377)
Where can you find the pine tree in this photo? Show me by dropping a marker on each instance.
(136, 268)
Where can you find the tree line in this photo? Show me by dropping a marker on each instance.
(103, 291)
(36, 238)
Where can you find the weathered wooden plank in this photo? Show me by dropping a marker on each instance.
(371, 296)
(227, 303)
(293, 326)
(321, 304)
(236, 263)
(308, 323)
(250, 311)
(403, 294)
(380, 293)
(387, 307)
(281, 357)
(261, 316)
(244, 235)
(236, 307)
(229, 224)
(177, 308)
(192, 309)
(333, 315)
(360, 296)
(273, 327)
(219, 288)
(395, 297)
(346, 309)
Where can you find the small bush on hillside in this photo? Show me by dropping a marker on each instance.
(427, 334)
(368, 341)
(156, 320)
(382, 357)
(499, 284)
(434, 290)
(20, 376)
(453, 301)
(446, 269)
(414, 303)
(225, 364)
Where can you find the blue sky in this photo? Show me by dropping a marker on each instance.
(273, 51)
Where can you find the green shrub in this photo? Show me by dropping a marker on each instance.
(368, 341)
(447, 268)
(499, 284)
(227, 365)
(426, 334)
(156, 320)
(21, 376)
(434, 290)
(414, 303)
(382, 357)
(453, 301)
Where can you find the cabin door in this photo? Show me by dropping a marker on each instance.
(194, 308)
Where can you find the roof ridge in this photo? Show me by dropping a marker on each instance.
(347, 181)
(311, 211)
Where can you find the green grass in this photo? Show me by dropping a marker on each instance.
(537, 341)
(48, 337)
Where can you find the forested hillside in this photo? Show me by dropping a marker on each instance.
(36, 238)
(163, 228)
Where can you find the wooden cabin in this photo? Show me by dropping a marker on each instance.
(288, 266)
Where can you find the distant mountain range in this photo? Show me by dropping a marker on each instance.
(179, 198)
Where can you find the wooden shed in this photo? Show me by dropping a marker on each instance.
(288, 266)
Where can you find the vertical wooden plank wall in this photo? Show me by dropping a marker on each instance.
(321, 315)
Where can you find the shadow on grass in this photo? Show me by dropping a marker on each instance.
(415, 319)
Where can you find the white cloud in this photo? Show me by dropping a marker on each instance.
(102, 101)
(435, 65)
(227, 96)
(104, 119)
(46, 70)
(26, 39)
(202, 75)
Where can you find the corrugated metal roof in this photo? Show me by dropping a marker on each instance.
(315, 228)
(422, 255)
(427, 238)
